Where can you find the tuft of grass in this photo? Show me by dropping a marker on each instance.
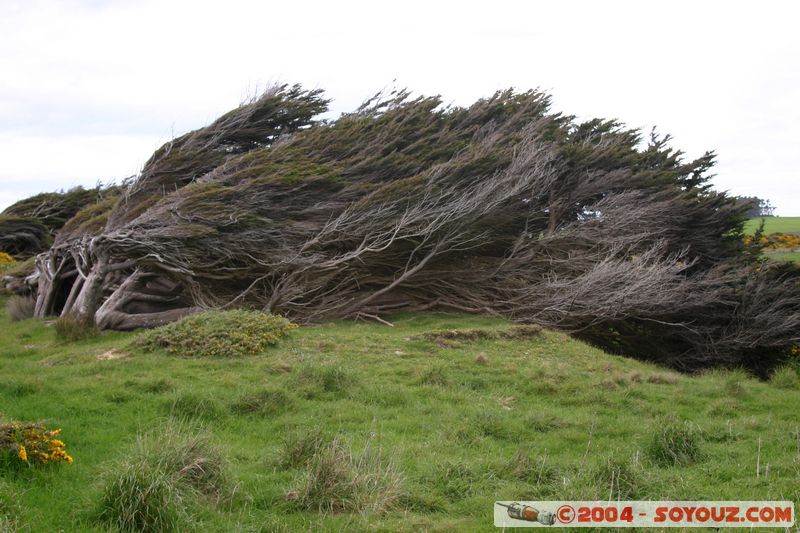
(299, 448)
(536, 472)
(434, 376)
(233, 333)
(10, 509)
(155, 485)
(619, 478)
(325, 379)
(20, 308)
(190, 405)
(457, 480)
(73, 327)
(786, 377)
(264, 402)
(660, 378)
(338, 480)
(491, 425)
(674, 443)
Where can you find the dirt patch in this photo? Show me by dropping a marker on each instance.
(111, 355)
(457, 337)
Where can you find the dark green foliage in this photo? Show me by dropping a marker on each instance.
(217, 334)
(23, 237)
(54, 209)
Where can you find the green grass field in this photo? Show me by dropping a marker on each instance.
(784, 256)
(457, 424)
(774, 225)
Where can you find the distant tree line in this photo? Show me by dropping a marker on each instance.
(755, 207)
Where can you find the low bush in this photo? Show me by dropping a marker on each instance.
(31, 443)
(73, 327)
(155, 485)
(337, 480)
(674, 443)
(20, 308)
(217, 334)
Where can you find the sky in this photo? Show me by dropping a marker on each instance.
(90, 88)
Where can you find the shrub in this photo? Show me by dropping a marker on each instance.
(153, 488)
(31, 443)
(6, 261)
(217, 334)
(674, 443)
(20, 308)
(73, 327)
(337, 480)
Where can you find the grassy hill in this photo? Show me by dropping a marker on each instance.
(403, 428)
(777, 225)
(774, 225)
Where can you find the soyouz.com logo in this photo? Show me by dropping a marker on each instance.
(644, 514)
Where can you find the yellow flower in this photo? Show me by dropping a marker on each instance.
(23, 455)
(56, 443)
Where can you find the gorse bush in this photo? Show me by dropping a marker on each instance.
(674, 443)
(32, 443)
(20, 308)
(73, 327)
(5, 261)
(233, 333)
(154, 486)
(338, 480)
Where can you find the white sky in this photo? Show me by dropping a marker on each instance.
(88, 89)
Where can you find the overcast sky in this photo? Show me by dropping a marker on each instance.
(90, 88)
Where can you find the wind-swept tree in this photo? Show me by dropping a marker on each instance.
(502, 207)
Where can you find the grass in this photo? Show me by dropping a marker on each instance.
(774, 225)
(783, 256)
(359, 426)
